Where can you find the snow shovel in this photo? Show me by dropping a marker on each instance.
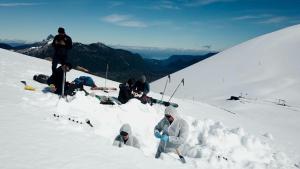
(182, 159)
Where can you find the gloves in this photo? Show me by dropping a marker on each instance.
(157, 134)
(164, 138)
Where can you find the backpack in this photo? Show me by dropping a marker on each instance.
(41, 78)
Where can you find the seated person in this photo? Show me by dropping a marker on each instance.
(56, 79)
(140, 90)
(86, 81)
(125, 92)
(126, 138)
(141, 87)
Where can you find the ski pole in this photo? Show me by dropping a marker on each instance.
(163, 93)
(106, 75)
(63, 83)
(182, 81)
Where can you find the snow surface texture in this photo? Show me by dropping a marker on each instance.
(265, 71)
(33, 138)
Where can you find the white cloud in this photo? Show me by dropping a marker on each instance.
(17, 4)
(274, 20)
(114, 18)
(205, 2)
(165, 4)
(116, 3)
(247, 17)
(124, 20)
(262, 19)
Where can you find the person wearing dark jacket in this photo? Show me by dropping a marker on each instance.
(56, 79)
(62, 43)
(125, 92)
(140, 90)
(141, 86)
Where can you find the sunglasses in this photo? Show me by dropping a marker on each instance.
(168, 116)
(123, 133)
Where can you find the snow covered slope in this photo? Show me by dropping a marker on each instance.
(31, 137)
(264, 67)
(263, 70)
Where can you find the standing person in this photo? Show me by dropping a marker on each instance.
(172, 131)
(126, 138)
(62, 43)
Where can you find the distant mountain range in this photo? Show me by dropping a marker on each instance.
(161, 53)
(123, 64)
(6, 46)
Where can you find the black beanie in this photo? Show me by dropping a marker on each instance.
(69, 65)
(61, 30)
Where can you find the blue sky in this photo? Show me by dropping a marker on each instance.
(193, 24)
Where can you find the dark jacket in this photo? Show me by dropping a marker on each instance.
(141, 87)
(57, 79)
(61, 45)
(124, 93)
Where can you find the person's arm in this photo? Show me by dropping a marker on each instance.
(133, 88)
(183, 134)
(69, 43)
(54, 41)
(117, 141)
(159, 126)
(147, 88)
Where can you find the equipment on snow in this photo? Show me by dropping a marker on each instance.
(72, 119)
(27, 87)
(105, 89)
(41, 78)
(106, 100)
(106, 75)
(165, 103)
(89, 122)
(63, 84)
(181, 158)
(163, 93)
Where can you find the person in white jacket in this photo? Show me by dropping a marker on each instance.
(126, 138)
(172, 131)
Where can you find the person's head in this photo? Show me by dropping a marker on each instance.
(170, 113)
(125, 131)
(61, 31)
(143, 79)
(131, 82)
(67, 67)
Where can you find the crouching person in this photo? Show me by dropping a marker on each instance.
(172, 132)
(126, 138)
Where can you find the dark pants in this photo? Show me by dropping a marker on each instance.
(161, 148)
(58, 59)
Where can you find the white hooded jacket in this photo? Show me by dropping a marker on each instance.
(132, 140)
(177, 131)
